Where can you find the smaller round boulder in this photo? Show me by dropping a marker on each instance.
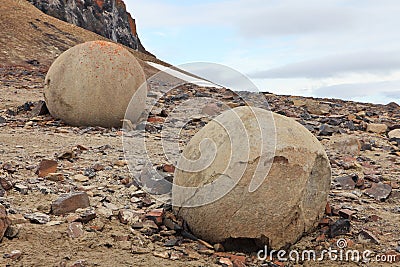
(252, 175)
(91, 84)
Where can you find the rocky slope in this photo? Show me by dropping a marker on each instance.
(117, 223)
(108, 18)
(32, 39)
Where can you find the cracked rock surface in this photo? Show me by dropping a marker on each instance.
(288, 202)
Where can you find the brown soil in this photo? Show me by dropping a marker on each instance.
(26, 139)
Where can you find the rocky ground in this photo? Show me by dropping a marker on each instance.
(70, 199)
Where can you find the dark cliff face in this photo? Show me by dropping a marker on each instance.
(108, 18)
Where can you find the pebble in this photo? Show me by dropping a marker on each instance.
(38, 217)
(13, 255)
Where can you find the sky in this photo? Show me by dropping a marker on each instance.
(348, 49)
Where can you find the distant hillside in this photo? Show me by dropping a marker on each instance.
(108, 18)
(30, 38)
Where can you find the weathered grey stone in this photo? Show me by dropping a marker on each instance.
(394, 134)
(91, 84)
(377, 128)
(70, 202)
(346, 144)
(288, 203)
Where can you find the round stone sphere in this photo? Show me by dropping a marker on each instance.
(251, 175)
(91, 84)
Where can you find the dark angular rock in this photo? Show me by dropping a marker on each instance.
(327, 130)
(40, 109)
(340, 227)
(38, 217)
(379, 191)
(70, 202)
(346, 182)
(364, 234)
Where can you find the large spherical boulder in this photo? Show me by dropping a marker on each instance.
(252, 175)
(91, 84)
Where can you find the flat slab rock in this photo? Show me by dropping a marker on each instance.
(70, 202)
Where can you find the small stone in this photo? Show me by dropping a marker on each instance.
(211, 109)
(340, 227)
(149, 224)
(170, 224)
(6, 183)
(137, 225)
(328, 209)
(168, 168)
(140, 250)
(156, 216)
(395, 134)
(80, 263)
(345, 182)
(163, 254)
(219, 247)
(225, 262)
(9, 167)
(17, 219)
(379, 191)
(38, 217)
(121, 163)
(81, 178)
(22, 189)
(13, 255)
(46, 167)
(98, 167)
(104, 212)
(398, 249)
(374, 218)
(206, 244)
(40, 109)
(346, 144)
(346, 213)
(366, 235)
(327, 130)
(313, 107)
(75, 230)
(12, 231)
(377, 128)
(55, 177)
(86, 215)
(175, 255)
(82, 147)
(171, 242)
(72, 218)
(70, 202)
(128, 216)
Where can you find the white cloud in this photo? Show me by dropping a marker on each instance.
(372, 62)
(353, 90)
(289, 45)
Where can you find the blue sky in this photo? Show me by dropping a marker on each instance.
(347, 49)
